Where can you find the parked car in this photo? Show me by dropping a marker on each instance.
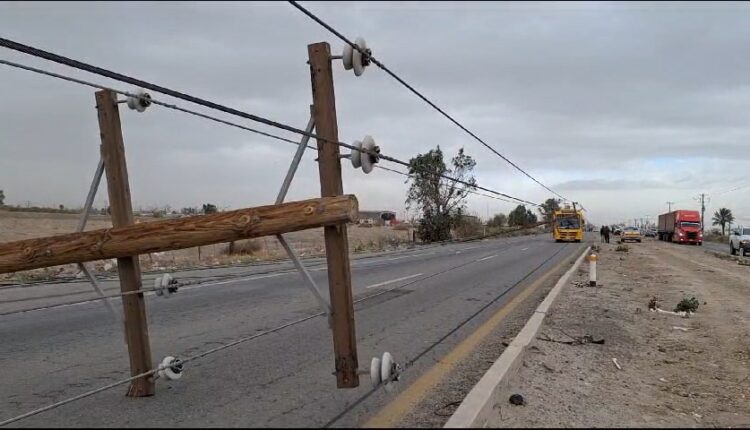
(651, 232)
(739, 241)
(632, 234)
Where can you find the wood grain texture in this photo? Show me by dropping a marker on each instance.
(171, 234)
(128, 267)
(336, 239)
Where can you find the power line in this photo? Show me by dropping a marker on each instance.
(382, 66)
(153, 371)
(249, 116)
(732, 190)
(468, 190)
(225, 346)
(408, 364)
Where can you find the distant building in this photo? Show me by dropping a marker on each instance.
(377, 217)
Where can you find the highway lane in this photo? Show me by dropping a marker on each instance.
(282, 379)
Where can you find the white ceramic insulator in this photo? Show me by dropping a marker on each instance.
(157, 286)
(346, 56)
(375, 375)
(367, 158)
(166, 370)
(357, 63)
(356, 156)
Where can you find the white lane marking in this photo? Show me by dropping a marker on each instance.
(397, 258)
(152, 293)
(524, 249)
(394, 280)
(424, 253)
(471, 247)
(367, 263)
(487, 258)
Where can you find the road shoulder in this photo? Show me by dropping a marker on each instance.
(674, 371)
(442, 400)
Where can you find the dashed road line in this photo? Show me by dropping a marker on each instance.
(394, 280)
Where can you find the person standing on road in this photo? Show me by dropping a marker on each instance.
(606, 233)
(601, 234)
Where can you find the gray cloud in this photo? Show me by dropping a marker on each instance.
(650, 102)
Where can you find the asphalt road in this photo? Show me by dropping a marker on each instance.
(280, 379)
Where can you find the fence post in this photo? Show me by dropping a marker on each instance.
(134, 305)
(336, 240)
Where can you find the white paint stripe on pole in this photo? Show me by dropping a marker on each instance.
(394, 280)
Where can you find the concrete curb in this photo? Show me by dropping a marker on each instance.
(476, 407)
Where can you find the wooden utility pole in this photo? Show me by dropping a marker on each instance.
(337, 245)
(136, 326)
(180, 233)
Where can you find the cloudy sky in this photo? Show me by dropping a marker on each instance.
(621, 106)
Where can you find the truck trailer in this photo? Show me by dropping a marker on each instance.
(681, 226)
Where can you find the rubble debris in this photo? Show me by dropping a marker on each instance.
(441, 411)
(614, 360)
(680, 314)
(517, 400)
(576, 340)
(653, 304)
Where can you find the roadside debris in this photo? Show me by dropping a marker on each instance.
(622, 248)
(517, 400)
(614, 360)
(576, 340)
(582, 284)
(447, 409)
(683, 314)
(683, 309)
(680, 328)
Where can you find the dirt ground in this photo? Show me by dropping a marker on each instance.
(27, 225)
(676, 371)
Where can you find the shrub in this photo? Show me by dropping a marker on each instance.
(242, 247)
(687, 305)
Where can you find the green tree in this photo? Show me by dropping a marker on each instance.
(517, 216)
(548, 208)
(723, 217)
(208, 208)
(499, 220)
(438, 199)
(520, 216)
(531, 217)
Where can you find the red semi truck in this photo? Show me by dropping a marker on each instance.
(681, 226)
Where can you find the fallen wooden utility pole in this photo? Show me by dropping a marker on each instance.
(180, 233)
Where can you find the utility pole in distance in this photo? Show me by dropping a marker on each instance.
(670, 206)
(703, 209)
(336, 240)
